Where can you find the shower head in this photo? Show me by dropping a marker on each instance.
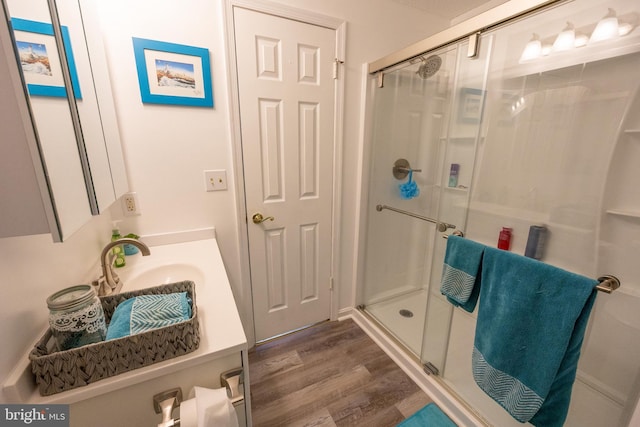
(429, 66)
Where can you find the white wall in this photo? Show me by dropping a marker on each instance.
(167, 148)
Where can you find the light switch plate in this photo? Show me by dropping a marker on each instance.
(215, 180)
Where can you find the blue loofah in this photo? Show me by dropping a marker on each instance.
(409, 189)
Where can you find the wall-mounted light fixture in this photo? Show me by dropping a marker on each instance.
(566, 39)
(532, 50)
(607, 28)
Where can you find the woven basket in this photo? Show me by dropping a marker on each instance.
(65, 370)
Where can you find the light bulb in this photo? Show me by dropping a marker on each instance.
(581, 40)
(566, 39)
(606, 29)
(532, 50)
(624, 29)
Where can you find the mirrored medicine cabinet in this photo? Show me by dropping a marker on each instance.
(62, 160)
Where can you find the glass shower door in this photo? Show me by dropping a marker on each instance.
(557, 146)
(459, 140)
(410, 117)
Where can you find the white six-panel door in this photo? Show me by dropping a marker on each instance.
(287, 94)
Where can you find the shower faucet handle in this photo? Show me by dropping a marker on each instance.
(401, 169)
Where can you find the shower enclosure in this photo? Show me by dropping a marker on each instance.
(538, 123)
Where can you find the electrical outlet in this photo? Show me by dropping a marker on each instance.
(215, 180)
(130, 205)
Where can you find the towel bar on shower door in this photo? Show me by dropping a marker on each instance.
(608, 283)
(442, 226)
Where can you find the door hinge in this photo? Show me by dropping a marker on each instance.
(336, 63)
(330, 283)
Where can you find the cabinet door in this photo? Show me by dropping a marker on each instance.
(24, 195)
(135, 403)
(64, 73)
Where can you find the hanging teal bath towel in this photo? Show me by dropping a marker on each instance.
(430, 416)
(531, 323)
(461, 272)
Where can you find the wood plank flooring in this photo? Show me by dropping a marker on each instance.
(331, 374)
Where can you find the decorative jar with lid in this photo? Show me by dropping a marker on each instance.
(76, 317)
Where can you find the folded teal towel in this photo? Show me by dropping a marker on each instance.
(531, 323)
(461, 272)
(430, 415)
(146, 312)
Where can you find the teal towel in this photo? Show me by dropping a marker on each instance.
(531, 323)
(430, 415)
(146, 312)
(461, 272)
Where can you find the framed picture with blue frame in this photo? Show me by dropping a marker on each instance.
(174, 74)
(40, 61)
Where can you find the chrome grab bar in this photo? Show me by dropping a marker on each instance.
(441, 226)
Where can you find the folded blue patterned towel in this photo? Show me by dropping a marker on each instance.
(531, 322)
(146, 312)
(461, 272)
(430, 416)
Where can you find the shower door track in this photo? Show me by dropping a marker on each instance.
(487, 20)
(386, 333)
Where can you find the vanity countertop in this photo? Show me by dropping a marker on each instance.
(221, 331)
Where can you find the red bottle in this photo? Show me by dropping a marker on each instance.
(504, 240)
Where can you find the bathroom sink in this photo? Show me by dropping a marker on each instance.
(163, 274)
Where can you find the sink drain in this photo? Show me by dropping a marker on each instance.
(406, 313)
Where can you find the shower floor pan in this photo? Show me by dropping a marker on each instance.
(394, 315)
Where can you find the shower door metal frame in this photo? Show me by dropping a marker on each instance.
(487, 20)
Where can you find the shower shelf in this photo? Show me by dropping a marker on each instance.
(460, 190)
(625, 213)
(459, 139)
(455, 189)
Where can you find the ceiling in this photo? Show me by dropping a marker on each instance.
(450, 9)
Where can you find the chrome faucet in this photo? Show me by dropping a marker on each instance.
(109, 283)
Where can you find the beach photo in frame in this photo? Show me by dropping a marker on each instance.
(174, 74)
(470, 105)
(39, 59)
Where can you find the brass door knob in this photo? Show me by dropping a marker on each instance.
(259, 219)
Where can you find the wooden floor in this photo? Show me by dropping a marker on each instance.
(331, 374)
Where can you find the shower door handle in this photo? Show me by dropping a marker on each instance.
(259, 219)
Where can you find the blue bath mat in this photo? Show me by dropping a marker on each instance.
(430, 416)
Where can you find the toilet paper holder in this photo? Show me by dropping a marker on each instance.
(164, 403)
(233, 379)
(167, 401)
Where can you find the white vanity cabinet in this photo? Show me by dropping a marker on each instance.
(126, 400)
(133, 405)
